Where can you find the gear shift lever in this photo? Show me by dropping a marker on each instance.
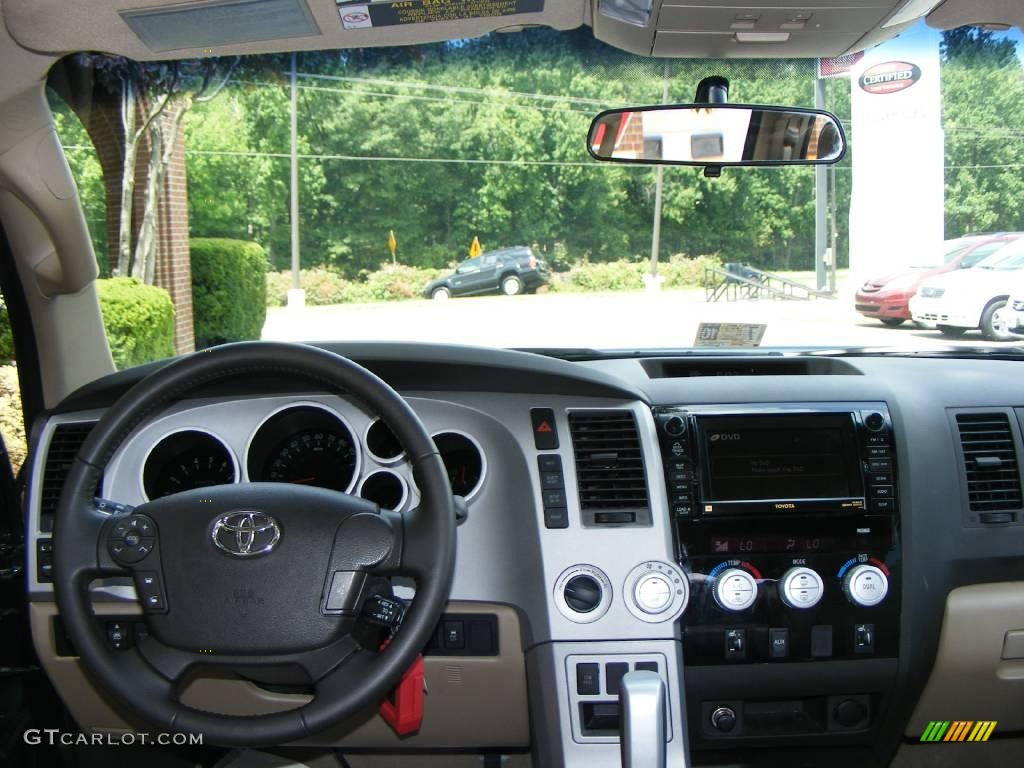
(642, 704)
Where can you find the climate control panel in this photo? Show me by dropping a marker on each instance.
(774, 608)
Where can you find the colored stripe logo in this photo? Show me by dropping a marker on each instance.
(959, 730)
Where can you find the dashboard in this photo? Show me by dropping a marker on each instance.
(781, 538)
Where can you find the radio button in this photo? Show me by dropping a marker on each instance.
(865, 585)
(880, 478)
(879, 465)
(882, 492)
(801, 588)
(735, 590)
(882, 505)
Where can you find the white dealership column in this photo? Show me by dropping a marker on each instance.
(896, 207)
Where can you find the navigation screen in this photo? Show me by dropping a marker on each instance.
(780, 457)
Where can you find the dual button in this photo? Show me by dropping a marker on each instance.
(552, 491)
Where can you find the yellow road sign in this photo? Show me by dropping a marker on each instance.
(474, 248)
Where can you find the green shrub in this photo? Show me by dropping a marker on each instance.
(394, 282)
(229, 290)
(6, 339)
(139, 320)
(680, 271)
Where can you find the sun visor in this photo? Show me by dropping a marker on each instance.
(220, 23)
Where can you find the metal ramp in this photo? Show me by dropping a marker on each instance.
(741, 282)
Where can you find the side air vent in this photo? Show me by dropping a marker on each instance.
(610, 474)
(64, 445)
(993, 475)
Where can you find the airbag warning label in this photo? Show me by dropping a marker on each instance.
(388, 13)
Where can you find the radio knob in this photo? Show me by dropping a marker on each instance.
(865, 585)
(674, 426)
(801, 588)
(735, 590)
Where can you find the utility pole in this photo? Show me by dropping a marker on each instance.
(295, 178)
(820, 198)
(658, 182)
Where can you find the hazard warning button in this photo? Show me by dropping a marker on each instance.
(545, 436)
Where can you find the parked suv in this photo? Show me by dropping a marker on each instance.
(887, 298)
(507, 270)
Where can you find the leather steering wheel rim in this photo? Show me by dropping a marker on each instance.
(423, 546)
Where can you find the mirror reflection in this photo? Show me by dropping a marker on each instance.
(717, 135)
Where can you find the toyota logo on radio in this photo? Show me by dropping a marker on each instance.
(889, 77)
(245, 534)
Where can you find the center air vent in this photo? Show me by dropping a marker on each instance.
(990, 457)
(64, 445)
(609, 467)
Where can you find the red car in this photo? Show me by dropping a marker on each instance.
(887, 298)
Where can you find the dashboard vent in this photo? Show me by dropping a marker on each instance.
(609, 465)
(993, 476)
(64, 445)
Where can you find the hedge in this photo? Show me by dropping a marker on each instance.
(391, 282)
(139, 320)
(229, 290)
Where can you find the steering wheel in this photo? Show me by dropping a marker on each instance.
(264, 579)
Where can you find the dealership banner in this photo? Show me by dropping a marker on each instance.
(896, 208)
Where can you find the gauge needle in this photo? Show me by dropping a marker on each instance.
(303, 480)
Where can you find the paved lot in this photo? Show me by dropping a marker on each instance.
(603, 320)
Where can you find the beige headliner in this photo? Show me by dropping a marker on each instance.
(60, 26)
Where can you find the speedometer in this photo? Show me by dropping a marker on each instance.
(307, 445)
(314, 457)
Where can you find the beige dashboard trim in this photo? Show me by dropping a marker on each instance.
(471, 702)
(970, 680)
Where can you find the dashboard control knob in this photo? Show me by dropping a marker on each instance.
(865, 585)
(735, 590)
(850, 713)
(653, 593)
(874, 421)
(674, 426)
(801, 588)
(723, 719)
(583, 594)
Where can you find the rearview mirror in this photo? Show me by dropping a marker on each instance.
(716, 135)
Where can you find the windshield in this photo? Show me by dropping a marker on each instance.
(445, 193)
(1009, 257)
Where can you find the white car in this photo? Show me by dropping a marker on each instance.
(1013, 313)
(960, 301)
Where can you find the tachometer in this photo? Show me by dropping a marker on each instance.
(186, 460)
(305, 444)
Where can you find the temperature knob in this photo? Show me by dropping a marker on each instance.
(865, 585)
(801, 588)
(735, 590)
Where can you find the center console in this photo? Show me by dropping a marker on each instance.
(786, 522)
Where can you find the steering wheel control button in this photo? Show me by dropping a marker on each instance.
(865, 585)
(131, 539)
(735, 590)
(343, 595)
(735, 644)
(151, 592)
(583, 593)
(801, 588)
(111, 507)
(656, 591)
(545, 433)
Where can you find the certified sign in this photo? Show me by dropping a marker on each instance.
(729, 335)
(889, 77)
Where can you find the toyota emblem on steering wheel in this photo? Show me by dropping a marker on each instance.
(246, 534)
